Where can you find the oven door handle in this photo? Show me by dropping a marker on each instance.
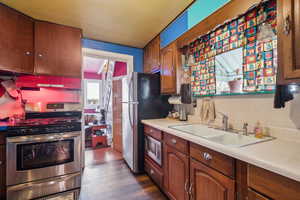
(43, 183)
(43, 138)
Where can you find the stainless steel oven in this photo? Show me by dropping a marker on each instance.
(153, 149)
(37, 157)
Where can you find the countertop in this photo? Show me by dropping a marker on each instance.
(279, 156)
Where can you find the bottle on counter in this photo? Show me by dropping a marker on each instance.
(258, 131)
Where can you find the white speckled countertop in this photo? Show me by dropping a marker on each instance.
(279, 156)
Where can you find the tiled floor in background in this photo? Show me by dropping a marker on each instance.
(107, 177)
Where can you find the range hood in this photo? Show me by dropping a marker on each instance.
(30, 81)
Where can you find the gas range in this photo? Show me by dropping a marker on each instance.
(45, 155)
(44, 123)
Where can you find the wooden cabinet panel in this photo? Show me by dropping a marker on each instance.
(155, 133)
(272, 185)
(154, 172)
(58, 50)
(241, 180)
(209, 184)
(168, 69)
(289, 44)
(176, 142)
(176, 174)
(2, 139)
(218, 161)
(2, 172)
(152, 56)
(117, 115)
(252, 195)
(17, 43)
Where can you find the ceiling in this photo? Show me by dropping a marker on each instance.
(127, 22)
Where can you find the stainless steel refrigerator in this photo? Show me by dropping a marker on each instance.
(141, 99)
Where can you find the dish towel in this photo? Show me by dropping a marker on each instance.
(207, 110)
(282, 95)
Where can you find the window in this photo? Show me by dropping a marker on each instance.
(92, 98)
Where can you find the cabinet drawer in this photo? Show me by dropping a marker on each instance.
(272, 185)
(252, 195)
(153, 171)
(153, 132)
(176, 142)
(218, 161)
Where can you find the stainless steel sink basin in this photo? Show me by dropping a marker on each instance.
(220, 136)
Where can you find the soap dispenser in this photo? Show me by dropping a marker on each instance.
(258, 131)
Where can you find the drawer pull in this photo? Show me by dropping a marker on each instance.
(207, 156)
(1, 162)
(151, 131)
(173, 141)
(151, 172)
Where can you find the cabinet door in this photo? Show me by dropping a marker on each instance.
(58, 50)
(117, 115)
(207, 183)
(16, 44)
(289, 43)
(152, 56)
(176, 174)
(252, 195)
(2, 172)
(168, 70)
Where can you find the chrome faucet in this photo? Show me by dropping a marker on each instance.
(224, 121)
(245, 129)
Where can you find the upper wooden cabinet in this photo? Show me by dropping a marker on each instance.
(57, 49)
(169, 62)
(152, 56)
(16, 43)
(289, 43)
(176, 174)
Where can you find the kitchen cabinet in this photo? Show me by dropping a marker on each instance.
(169, 62)
(252, 195)
(152, 56)
(117, 115)
(176, 174)
(288, 41)
(207, 183)
(17, 41)
(57, 50)
(2, 172)
(272, 185)
(154, 171)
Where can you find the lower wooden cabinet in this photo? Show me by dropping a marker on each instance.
(252, 195)
(154, 172)
(176, 174)
(207, 183)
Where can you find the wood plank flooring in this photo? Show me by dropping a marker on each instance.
(107, 177)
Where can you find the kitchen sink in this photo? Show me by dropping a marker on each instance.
(220, 136)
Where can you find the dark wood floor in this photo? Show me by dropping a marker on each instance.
(107, 177)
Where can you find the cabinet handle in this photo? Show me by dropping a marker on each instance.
(40, 55)
(186, 189)
(151, 130)
(287, 25)
(191, 192)
(173, 141)
(27, 53)
(1, 162)
(207, 156)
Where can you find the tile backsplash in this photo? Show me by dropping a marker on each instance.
(251, 109)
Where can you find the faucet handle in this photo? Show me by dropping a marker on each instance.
(245, 125)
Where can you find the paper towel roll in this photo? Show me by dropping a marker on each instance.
(175, 100)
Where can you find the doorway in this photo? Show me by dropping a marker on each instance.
(103, 102)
